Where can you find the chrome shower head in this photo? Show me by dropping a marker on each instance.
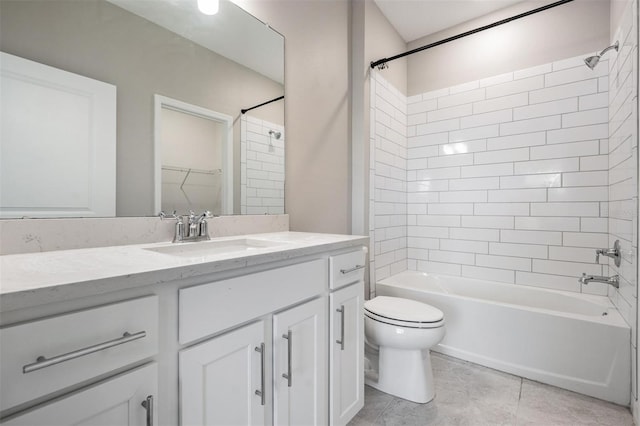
(275, 134)
(592, 61)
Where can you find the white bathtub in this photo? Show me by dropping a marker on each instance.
(574, 341)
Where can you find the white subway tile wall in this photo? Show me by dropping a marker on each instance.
(623, 161)
(388, 211)
(262, 167)
(519, 175)
(516, 178)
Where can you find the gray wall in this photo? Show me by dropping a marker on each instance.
(572, 29)
(317, 187)
(141, 59)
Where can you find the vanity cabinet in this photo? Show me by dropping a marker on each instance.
(60, 355)
(228, 380)
(125, 400)
(300, 365)
(222, 381)
(346, 339)
(275, 365)
(278, 343)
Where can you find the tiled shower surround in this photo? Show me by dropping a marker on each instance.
(516, 178)
(262, 167)
(623, 171)
(506, 178)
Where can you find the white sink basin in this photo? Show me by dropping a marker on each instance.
(211, 248)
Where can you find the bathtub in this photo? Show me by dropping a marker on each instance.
(574, 341)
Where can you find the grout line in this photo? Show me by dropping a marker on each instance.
(519, 399)
(520, 393)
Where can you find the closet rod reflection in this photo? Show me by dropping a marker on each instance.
(189, 170)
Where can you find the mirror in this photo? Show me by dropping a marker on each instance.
(223, 63)
(194, 158)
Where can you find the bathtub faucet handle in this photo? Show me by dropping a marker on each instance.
(584, 279)
(613, 253)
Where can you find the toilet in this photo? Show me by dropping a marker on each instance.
(399, 333)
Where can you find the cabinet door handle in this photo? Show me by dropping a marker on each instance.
(350, 270)
(287, 375)
(42, 362)
(341, 341)
(260, 392)
(148, 405)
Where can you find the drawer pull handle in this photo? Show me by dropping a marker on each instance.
(261, 392)
(42, 362)
(348, 271)
(341, 341)
(148, 406)
(287, 375)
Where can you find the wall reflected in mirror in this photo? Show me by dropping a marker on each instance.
(155, 47)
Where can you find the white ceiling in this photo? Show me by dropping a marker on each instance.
(232, 32)
(414, 19)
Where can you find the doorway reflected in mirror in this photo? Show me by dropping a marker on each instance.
(194, 158)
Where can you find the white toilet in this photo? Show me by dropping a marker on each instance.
(399, 333)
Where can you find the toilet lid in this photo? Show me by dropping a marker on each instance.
(396, 308)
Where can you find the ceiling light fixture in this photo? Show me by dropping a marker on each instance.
(208, 7)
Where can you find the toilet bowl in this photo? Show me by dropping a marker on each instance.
(399, 333)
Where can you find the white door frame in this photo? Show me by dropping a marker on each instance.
(227, 148)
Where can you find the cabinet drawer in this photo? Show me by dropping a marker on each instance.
(209, 308)
(115, 401)
(44, 356)
(346, 268)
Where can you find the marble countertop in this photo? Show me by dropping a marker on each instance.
(37, 278)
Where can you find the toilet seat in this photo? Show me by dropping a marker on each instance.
(403, 312)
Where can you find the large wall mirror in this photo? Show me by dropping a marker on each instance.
(145, 53)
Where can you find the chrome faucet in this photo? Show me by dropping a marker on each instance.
(197, 229)
(613, 280)
(613, 253)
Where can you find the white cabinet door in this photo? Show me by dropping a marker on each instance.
(300, 365)
(346, 354)
(117, 401)
(219, 379)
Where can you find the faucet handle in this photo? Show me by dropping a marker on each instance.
(584, 279)
(163, 215)
(613, 253)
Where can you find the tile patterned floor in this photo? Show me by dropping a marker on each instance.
(469, 394)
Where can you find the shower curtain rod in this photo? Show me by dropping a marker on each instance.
(381, 63)
(262, 104)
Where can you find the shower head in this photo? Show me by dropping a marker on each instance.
(592, 61)
(275, 134)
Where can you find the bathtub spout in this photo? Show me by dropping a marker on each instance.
(613, 280)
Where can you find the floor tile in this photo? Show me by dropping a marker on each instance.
(546, 405)
(375, 403)
(469, 394)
